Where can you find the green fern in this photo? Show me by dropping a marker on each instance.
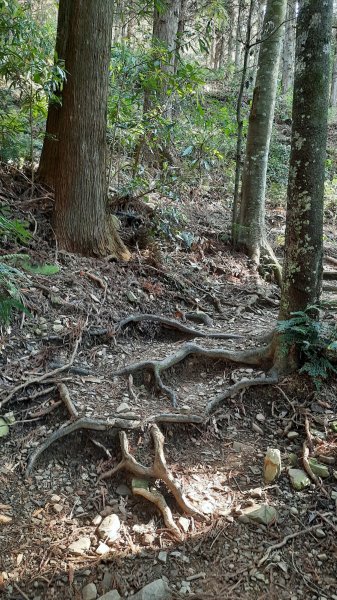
(313, 339)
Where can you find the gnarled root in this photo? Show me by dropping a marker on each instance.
(237, 387)
(258, 357)
(141, 487)
(82, 423)
(158, 470)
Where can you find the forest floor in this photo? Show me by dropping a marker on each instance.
(218, 462)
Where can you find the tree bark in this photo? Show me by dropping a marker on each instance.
(302, 271)
(333, 92)
(180, 33)
(288, 53)
(80, 220)
(251, 232)
(48, 160)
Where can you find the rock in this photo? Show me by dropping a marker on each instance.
(272, 464)
(299, 479)
(294, 510)
(97, 520)
(260, 513)
(319, 533)
(80, 546)
(123, 407)
(109, 528)
(333, 426)
(157, 590)
(4, 429)
(102, 549)
(292, 435)
(107, 581)
(256, 493)
(112, 595)
(123, 490)
(58, 327)
(131, 296)
(318, 469)
(107, 510)
(58, 508)
(239, 447)
(162, 556)
(184, 523)
(257, 429)
(89, 592)
(260, 417)
(55, 498)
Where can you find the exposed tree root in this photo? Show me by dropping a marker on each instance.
(82, 423)
(158, 470)
(65, 397)
(307, 448)
(166, 322)
(257, 357)
(141, 487)
(237, 387)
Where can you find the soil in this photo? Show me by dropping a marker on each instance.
(218, 462)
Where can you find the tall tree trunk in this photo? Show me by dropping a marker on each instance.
(251, 232)
(302, 271)
(333, 92)
(180, 32)
(230, 34)
(80, 220)
(288, 54)
(256, 40)
(48, 159)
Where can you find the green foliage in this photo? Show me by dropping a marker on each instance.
(10, 297)
(32, 77)
(312, 339)
(13, 229)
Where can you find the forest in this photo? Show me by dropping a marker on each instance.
(168, 295)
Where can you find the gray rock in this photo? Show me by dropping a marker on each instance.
(162, 556)
(102, 549)
(89, 592)
(80, 546)
(260, 513)
(156, 590)
(109, 528)
(112, 595)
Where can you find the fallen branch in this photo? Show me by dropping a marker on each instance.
(257, 357)
(82, 423)
(159, 469)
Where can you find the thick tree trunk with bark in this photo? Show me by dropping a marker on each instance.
(180, 33)
(251, 232)
(302, 272)
(288, 53)
(333, 92)
(80, 220)
(48, 159)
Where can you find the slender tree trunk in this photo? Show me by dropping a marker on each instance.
(256, 40)
(230, 33)
(48, 159)
(302, 271)
(238, 40)
(333, 92)
(80, 220)
(288, 54)
(239, 121)
(251, 232)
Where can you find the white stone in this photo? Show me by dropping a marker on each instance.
(124, 407)
(162, 556)
(184, 523)
(109, 528)
(102, 549)
(80, 546)
(97, 520)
